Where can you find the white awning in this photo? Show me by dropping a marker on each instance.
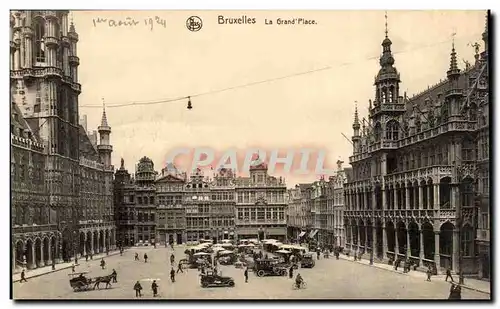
(302, 234)
(313, 232)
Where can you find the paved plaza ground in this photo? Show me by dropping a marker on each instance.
(330, 279)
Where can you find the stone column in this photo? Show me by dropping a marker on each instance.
(42, 260)
(85, 244)
(422, 246)
(407, 197)
(14, 248)
(436, 197)
(358, 200)
(408, 243)
(359, 236)
(420, 197)
(437, 257)
(367, 244)
(384, 199)
(92, 243)
(365, 199)
(384, 242)
(428, 194)
(396, 242)
(374, 242)
(396, 200)
(455, 251)
(32, 259)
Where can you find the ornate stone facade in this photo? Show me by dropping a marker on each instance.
(51, 170)
(414, 169)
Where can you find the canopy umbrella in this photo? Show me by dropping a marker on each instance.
(226, 252)
(285, 246)
(150, 279)
(216, 249)
(226, 245)
(282, 251)
(201, 253)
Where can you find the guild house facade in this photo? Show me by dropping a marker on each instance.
(420, 170)
(171, 206)
(61, 182)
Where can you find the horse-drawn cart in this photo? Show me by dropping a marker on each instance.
(81, 283)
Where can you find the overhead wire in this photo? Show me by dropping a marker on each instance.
(181, 98)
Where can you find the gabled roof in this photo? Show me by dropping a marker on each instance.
(170, 178)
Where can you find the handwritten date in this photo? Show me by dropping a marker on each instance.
(130, 22)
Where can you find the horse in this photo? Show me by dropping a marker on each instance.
(105, 279)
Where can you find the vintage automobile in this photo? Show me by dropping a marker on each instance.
(307, 261)
(269, 268)
(211, 279)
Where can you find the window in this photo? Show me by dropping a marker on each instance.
(39, 26)
(467, 240)
(468, 148)
(152, 200)
(392, 130)
(139, 200)
(378, 131)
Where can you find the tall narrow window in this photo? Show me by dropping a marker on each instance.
(39, 26)
(38, 97)
(392, 130)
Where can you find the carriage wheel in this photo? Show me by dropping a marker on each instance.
(231, 283)
(303, 285)
(260, 273)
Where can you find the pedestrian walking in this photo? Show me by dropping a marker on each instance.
(429, 273)
(103, 263)
(154, 287)
(23, 277)
(172, 259)
(448, 274)
(114, 275)
(179, 268)
(246, 275)
(53, 264)
(136, 256)
(172, 275)
(290, 272)
(137, 288)
(145, 258)
(91, 256)
(73, 268)
(86, 257)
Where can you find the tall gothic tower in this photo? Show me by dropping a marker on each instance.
(44, 85)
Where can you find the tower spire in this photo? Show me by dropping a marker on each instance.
(386, 29)
(453, 59)
(104, 119)
(355, 125)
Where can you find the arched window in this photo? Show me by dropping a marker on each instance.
(392, 130)
(39, 47)
(377, 131)
(391, 94)
(384, 95)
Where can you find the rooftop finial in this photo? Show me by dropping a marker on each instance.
(386, 29)
(453, 40)
(356, 117)
(104, 120)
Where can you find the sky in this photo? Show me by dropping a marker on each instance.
(128, 64)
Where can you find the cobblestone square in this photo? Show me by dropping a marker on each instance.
(329, 279)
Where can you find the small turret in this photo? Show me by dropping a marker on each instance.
(104, 148)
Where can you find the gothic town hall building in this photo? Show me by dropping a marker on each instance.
(420, 186)
(61, 182)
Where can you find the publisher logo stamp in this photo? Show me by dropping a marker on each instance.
(194, 23)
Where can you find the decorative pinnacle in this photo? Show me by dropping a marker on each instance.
(104, 120)
(453, 60)
(356, 117)
(386, 29)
